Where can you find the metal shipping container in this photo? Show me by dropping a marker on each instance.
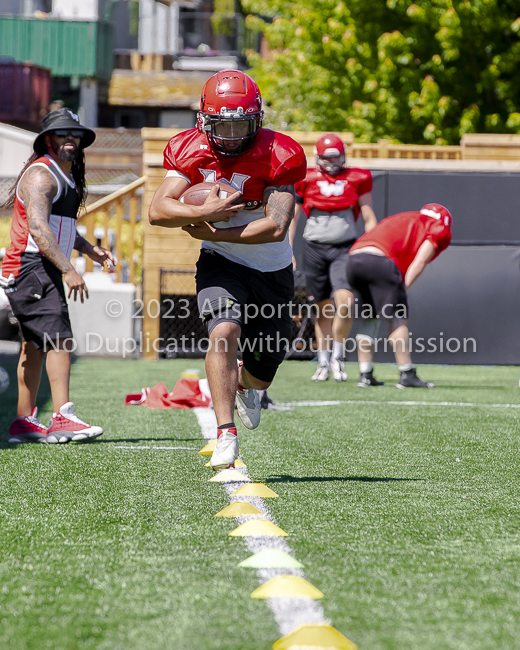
(24, 94)
(68, 48)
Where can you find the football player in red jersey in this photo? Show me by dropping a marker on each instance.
(332, 197)
(244, 272)
(383, 265)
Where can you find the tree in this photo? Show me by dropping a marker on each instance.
(426, 72)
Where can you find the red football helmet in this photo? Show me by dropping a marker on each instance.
(230, 112)
(438, 211)
(330, 153)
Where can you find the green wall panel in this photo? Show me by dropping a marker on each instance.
(67, 48)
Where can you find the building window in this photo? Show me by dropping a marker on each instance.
(130, 118)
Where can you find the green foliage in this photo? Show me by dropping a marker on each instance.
(134, 17)
(222, 19)
(426, 72)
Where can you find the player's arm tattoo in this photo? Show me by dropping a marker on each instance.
(37, 189)
(279, 206)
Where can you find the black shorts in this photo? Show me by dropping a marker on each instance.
(38, 302)
(380, 286)
(260, 302)
(325, 268)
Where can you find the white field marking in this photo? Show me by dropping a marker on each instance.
(152, 447)
(396, 403)
(289, 613)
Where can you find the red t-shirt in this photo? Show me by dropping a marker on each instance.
(401, 235)
(329, 193)
(274, 159)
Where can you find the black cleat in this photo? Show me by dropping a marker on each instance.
(367, 379)
(409, 379)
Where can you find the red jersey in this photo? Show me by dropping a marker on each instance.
(274, 159)
(401, 235)
(23, 253)
(330, 193)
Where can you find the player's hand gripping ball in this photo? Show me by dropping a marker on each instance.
(4, 380)
(197, 194)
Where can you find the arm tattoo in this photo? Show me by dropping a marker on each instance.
(279, 205)
(37, 189)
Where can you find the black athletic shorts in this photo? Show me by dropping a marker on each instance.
(325, 268)
(380, 286)
(38, 302)
(260, 302)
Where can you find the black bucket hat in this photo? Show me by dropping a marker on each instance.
(64, 118)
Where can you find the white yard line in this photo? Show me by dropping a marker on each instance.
(288, 612)
(136, 447)
(396, 403)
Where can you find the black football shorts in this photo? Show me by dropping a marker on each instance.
(379, 285)
(325, 267)
(260, 302)
(38, 302)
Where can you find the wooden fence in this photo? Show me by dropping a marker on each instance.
(99, 213)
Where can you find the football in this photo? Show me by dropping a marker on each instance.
(197, 194)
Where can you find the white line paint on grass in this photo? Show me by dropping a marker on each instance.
(137, 447)
(289, 613)
(400, 403)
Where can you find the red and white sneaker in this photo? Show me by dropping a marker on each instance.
(65, 426)
(27, 429)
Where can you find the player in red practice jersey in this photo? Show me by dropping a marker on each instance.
(383, 265)
(244, 273)
(332, 197)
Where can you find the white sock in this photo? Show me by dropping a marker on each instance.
(338, 350)
(365, 366)
(405, 367)
(324, 357)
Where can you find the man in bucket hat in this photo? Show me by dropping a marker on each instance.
(45, 201)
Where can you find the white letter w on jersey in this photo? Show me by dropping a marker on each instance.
(237, 181)
(331, 189)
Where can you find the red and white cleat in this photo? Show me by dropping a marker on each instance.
(66, 427)
(248, 407)
(226, 451)
(27, 429)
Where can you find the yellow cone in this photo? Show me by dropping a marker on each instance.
(238, 463)
(255, 490)
(287, 587)
(190, 374)
(318, 636)
(230, 476)
(209, 448)
(238, 509)
(259, 527)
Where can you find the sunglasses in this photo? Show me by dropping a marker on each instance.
(63, 133)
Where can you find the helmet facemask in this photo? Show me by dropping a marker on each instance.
(232, 132)
(331, 164)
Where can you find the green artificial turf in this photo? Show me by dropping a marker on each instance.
(406, 517)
